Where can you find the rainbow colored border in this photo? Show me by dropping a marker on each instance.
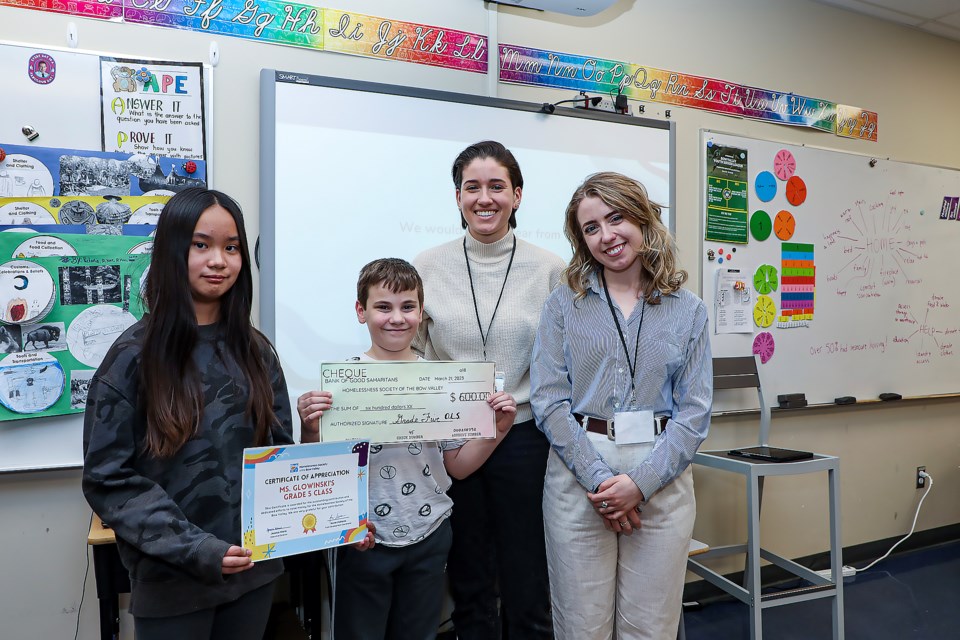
(305, 25)
(541, 67)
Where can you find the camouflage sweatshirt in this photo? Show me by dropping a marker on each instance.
(175, 518)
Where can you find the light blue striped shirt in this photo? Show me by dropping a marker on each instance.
(579, 366)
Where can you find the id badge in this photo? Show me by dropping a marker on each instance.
(634, 426)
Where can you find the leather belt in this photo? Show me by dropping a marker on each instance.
(606, 427)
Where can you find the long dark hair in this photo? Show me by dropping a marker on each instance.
(171, 388)
(499, 154)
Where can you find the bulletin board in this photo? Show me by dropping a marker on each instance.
(65, 108)
(841, 267)
(377, 159)
(60, 100)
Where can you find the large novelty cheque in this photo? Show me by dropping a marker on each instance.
(407, 401)
(302, 498)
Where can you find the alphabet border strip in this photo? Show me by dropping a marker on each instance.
(351, 33)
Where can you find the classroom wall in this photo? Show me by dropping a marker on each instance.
(789, 45)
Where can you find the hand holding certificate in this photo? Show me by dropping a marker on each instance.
(407, 401)
(303, 497)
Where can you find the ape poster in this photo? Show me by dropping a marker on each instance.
(152, 108)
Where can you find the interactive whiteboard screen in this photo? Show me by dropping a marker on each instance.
(355, 171)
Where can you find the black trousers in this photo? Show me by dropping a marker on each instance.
(498, 546)
(391, 593)
(243, 619)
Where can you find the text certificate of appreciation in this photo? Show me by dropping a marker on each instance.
(303, 497)
(407, 401)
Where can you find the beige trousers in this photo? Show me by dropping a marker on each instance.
(605, 585)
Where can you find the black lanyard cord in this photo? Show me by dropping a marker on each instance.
(636, 347)
(473, 292)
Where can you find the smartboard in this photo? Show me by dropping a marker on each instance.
(65, 111)
(861, 252)
(354, 171)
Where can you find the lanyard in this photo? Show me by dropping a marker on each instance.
(623, 341)
(473, 292)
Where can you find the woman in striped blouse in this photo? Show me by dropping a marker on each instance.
(622, 387)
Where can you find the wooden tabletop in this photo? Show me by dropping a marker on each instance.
(100, 534)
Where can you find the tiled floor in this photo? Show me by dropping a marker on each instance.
(910, 596)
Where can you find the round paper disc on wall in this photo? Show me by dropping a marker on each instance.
(765, 185)
(784, 164)
(764, 311)
(94, 330)
(30, 382)
(796, 191)
(760, 225)
(784, 225)
(765, 279)
(26, 292)
(764, 346)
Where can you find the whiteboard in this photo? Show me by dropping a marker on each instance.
(353, 171)
(885, 306)
(66, 113)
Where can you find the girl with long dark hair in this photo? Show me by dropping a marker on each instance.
(169, 412)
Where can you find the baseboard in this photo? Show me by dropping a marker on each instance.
(702, 591)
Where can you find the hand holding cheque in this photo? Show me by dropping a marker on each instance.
(405, 401)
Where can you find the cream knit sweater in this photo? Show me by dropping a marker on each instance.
(449, 329)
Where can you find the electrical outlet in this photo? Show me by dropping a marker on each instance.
(921, 480)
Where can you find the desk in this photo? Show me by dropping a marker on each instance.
(112, 577)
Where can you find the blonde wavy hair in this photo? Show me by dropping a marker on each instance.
(629, 198)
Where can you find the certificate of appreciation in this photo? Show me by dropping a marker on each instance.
(304, 497)
(407, 401)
